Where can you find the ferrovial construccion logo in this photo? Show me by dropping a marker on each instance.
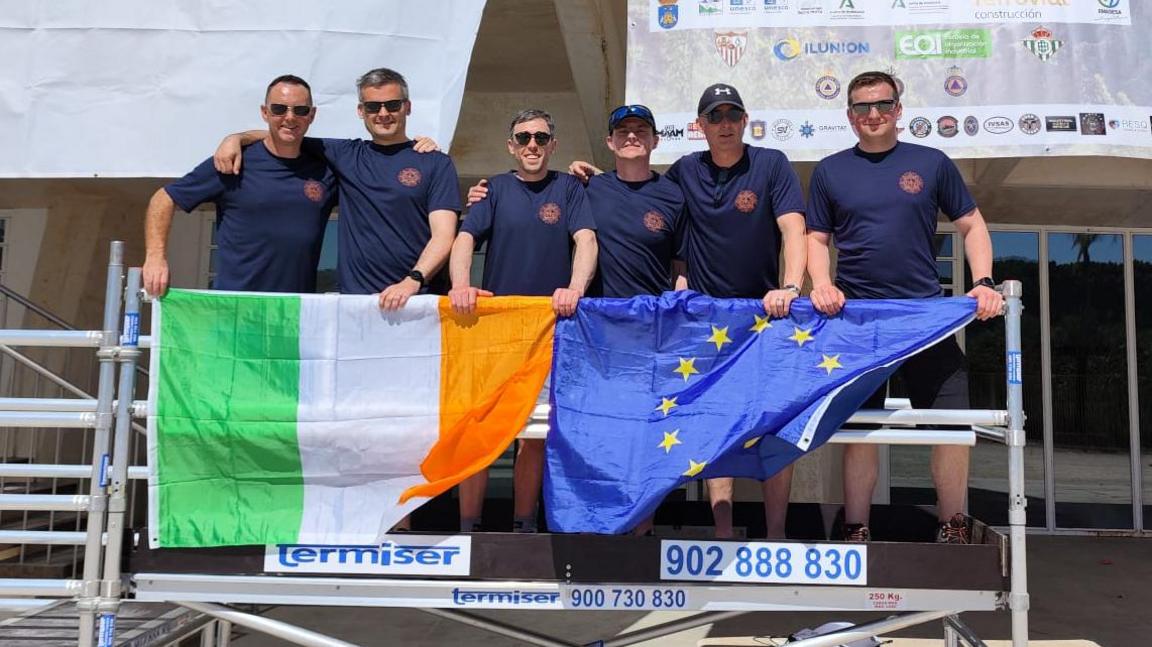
(406, 555)
(944, 43)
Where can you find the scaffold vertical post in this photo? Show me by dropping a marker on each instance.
(1017, 498)
(117, 489)
(88, 599)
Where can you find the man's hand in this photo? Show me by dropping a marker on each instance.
(425, 144)
(989, 302)
(463, 299)
(777, 302)
(564, 301)
(477, 192)
(583, 170)
(228, 155)
(396, 295)
(827, 299)
(156, 276)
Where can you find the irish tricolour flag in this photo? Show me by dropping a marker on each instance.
(280, 418)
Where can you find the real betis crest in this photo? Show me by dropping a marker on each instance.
(1042, 44)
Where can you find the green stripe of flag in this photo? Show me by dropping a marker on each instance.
(226, 429)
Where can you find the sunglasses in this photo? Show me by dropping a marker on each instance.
(623, 112)
(392, 105)
(884, 106)
(522, 139)
(734, 115)
(279, 109)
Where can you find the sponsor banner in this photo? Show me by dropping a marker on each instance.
(983, 131)
(672, 15)
(397, 555)
(981, 78)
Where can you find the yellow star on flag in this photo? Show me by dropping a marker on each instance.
(687, 367)
(801, 337)
(761, 324)
(666, 405)
(719, 337)
(694, 468)
(670, 439)
(830, 362)
(752, 443)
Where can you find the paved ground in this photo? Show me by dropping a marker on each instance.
(1085, 591)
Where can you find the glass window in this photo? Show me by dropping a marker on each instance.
(943, 244)
(1089, 381)
(1142, 272)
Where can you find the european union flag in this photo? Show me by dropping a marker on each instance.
(651, 392)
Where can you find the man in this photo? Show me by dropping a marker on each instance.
(398, 207)
(880, 200)
(530, 219)
(269, 227)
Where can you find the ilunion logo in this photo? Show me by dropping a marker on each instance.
(787, 49)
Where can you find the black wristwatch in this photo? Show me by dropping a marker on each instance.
(418, 276)
(986, 282)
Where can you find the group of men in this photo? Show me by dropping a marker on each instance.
(718, 222)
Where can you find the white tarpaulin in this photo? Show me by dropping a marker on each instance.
(982, 78)
(138, 88)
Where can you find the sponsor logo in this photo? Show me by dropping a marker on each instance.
(971, 125)
(806, 130)
(409, 177)
(998, 125)
(668, 14)
(1060, 124)
(947, 126)
(944, 43)
(922, 6)
(654, 222)
(1029, 124)
(671, 133)
(899, 4)
(920, 127)
(828, 87)
(810, 7)
(955, 85)
(549, 213)
(758, 128)
(730, 45)
(832, 128)
(1092, 123)
(847, 11)
(789, 48)
(911, 183)
(314, 191)
(782, 129)
(746, 201)
(775, 6)
(411, 555)
(709, 7)
(1109, 9)
(741, 6)
(694, 132)
(514, 597)
(1128, 125)
(786, 49)
(1043, 44)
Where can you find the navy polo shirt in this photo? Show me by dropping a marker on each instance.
(639, 230)
(386, 194)
(881, 210)
(528, 227)
(732, 243)
(269, 219)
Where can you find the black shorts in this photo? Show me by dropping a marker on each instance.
(936, 378)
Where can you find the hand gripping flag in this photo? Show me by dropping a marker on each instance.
(652, 392)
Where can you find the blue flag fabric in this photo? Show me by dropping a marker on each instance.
(651, 392)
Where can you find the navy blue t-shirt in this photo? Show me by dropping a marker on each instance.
(386, 194)
(639, 229)
(269, 219)
(732, 243)
(881, 211)
(528, 227)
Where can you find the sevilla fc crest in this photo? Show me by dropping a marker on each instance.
(730, 45)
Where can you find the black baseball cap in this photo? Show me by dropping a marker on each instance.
(634, 110)
(718, 94)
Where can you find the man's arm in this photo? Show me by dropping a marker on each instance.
(463, 295)
(443, 224)
(978, 250)
(777, 302)
(583, 269)
(679, 274)
(227, 158)
(826, 297)
(157, 224)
